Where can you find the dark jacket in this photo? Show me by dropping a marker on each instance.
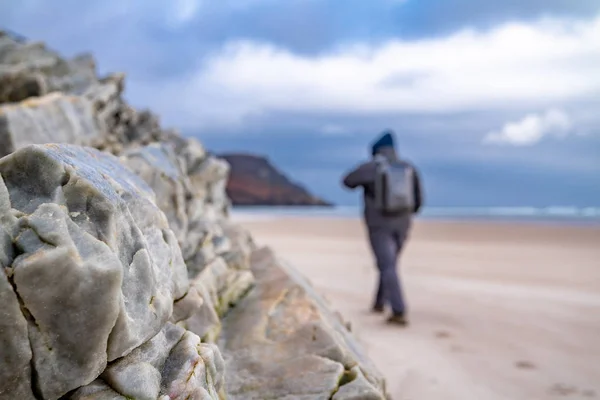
(364, 176)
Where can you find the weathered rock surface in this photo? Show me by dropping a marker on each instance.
(118, 275)
(88, 239)
(157, 165)
(217, 263)
(55, 118)
(174, 363)
(283, 341)
(15, 350)
(30, 69)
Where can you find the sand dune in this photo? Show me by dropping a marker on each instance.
(498, 311)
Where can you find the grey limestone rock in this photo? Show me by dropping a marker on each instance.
(55, 118)
(31, 69)
(221, 273)
(209, 179)
(219, 287)
(139, 374)
(208, 176)
(94, 264)
(283, 341)
(194, 370)
(97, 390)
(201, 237)
(17, 85)
(172, 365)
(15, 350)
(157, 165)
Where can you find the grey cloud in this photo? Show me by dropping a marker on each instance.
(137, 37)
(403, 79)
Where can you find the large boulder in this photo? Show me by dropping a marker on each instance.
(15, 350)
(216, 253)
(54, 118)
(165, 365)
(213, 293)
(31, 69)
(283, 341)
(89, 257)
(201, 233)
(158, 166)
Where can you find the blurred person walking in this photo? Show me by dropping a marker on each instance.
(392, 194)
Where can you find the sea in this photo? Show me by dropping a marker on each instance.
(541, 215)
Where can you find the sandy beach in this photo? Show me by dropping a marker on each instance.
(498, 311)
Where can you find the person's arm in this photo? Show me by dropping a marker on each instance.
(418, 191)
(361, 176)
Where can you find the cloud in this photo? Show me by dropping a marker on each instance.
(281, 78)
(511, 67)
(531, 129)
(334, 130)
(184, 10)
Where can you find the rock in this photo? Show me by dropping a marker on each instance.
(156, 165)
(193, 370)
(172, 365)
(242, 243)
(15, 351)
(139, 374)
(88, 237)
(97, 390)
(254, 180)
(17, 85)
(200, 236)
(55, 118)
(191, 152)
(354, 386)
(220, 287)
(124, 127)
(61, 268)
(224, 285)
(198, 314)
(205, 242)
(283, 341)
(208, 176)
(30, 69)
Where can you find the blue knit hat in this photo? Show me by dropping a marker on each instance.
(385, 140)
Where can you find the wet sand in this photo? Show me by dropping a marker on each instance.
(497, 310)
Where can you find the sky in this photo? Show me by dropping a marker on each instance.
(496, 102)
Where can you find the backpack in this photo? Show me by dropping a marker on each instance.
(394, 187)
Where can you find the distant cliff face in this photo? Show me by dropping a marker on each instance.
(254, 180)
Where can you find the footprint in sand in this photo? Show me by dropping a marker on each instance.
(525, 365)
(442, 335)
(455, 348)
(561, 389)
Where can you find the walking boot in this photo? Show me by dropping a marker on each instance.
(397, 319)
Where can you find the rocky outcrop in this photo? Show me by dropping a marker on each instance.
(254, 181)
(284, 342)
(55, 118)
(121, 276)
(92, 261)
(29, 69)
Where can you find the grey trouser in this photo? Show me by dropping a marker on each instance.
(387, 244)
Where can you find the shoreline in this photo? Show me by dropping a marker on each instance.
(244, 216)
